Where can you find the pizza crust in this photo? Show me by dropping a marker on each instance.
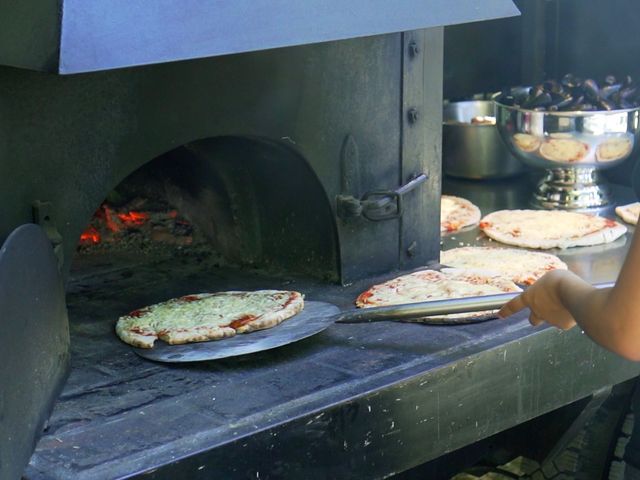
(202, 334)
(457, 213)
(521, 266)
(208, 316)
(430, 285)
(629, 213)
(550, 228)
(271, 319)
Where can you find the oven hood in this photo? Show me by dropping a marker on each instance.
(74, 36)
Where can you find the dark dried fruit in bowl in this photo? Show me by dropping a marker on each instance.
(571, 81)
(572, 93)
(542, 100)
(610, 89)
(591, 89)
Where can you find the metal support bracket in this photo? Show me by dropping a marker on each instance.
(377, 205)
(42, 215)
(597, 399)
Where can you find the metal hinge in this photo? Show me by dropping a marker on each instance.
(42, 216)
(377, 205)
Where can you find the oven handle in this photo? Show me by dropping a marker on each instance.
(412, 311)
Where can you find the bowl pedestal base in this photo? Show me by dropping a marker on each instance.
(572, 189)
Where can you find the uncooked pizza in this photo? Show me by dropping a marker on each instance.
(629, 213)
(208, 316)
(521, 266)
(431, 285)
(550, 228)
(457, 213)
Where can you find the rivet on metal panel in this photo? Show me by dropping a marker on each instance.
(414, 50)
(411, 249)
(412, 115)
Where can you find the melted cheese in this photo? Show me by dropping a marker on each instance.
(629, 213)
(522, 266)
(206, 310)
(543, 225)
(431, 285)
(456, 213)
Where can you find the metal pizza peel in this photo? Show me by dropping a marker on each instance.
(318, 316)
(315, 317)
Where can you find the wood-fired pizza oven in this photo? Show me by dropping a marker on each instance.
(302, 139)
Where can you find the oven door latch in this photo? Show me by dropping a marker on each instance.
(377, 205)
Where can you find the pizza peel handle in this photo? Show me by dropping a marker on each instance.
(412, 311)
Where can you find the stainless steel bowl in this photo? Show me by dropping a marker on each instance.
(474, 150)
(573, 147)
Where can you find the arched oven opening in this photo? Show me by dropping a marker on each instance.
(234, 202)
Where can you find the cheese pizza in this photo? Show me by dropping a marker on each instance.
(550, 228)
(521, 266)
(629, 213)
(457, 213)
(208, 316)
(430, 285)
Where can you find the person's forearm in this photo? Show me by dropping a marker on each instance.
(601, 317)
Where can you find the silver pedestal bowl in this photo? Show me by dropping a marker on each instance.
(573, 147)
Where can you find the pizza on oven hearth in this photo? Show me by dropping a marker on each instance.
(550, 228)
(629, 213)
(457, 213)
(523, 267)
(208, 316)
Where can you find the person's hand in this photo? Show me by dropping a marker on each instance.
(544, 300)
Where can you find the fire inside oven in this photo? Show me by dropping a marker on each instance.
(234, 202)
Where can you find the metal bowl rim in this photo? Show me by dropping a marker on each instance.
(568, 113)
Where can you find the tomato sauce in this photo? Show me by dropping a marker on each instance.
(239, 322)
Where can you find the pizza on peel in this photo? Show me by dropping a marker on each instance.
(208, 316)
(431, 285)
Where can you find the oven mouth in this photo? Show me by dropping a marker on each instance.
(233, 202)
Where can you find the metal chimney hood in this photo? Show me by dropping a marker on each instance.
(75, 36)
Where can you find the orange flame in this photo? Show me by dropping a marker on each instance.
(135, 218)
(90, 235)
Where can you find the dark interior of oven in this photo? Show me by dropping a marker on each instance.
(228, 202)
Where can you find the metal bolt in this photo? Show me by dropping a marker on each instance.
(414, 50)
(411, 249)
(412, 115)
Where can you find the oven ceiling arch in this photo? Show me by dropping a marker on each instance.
(75, 36)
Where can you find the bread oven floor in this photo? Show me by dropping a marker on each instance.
(377, 398)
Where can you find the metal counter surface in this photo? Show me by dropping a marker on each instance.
(373, 399)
